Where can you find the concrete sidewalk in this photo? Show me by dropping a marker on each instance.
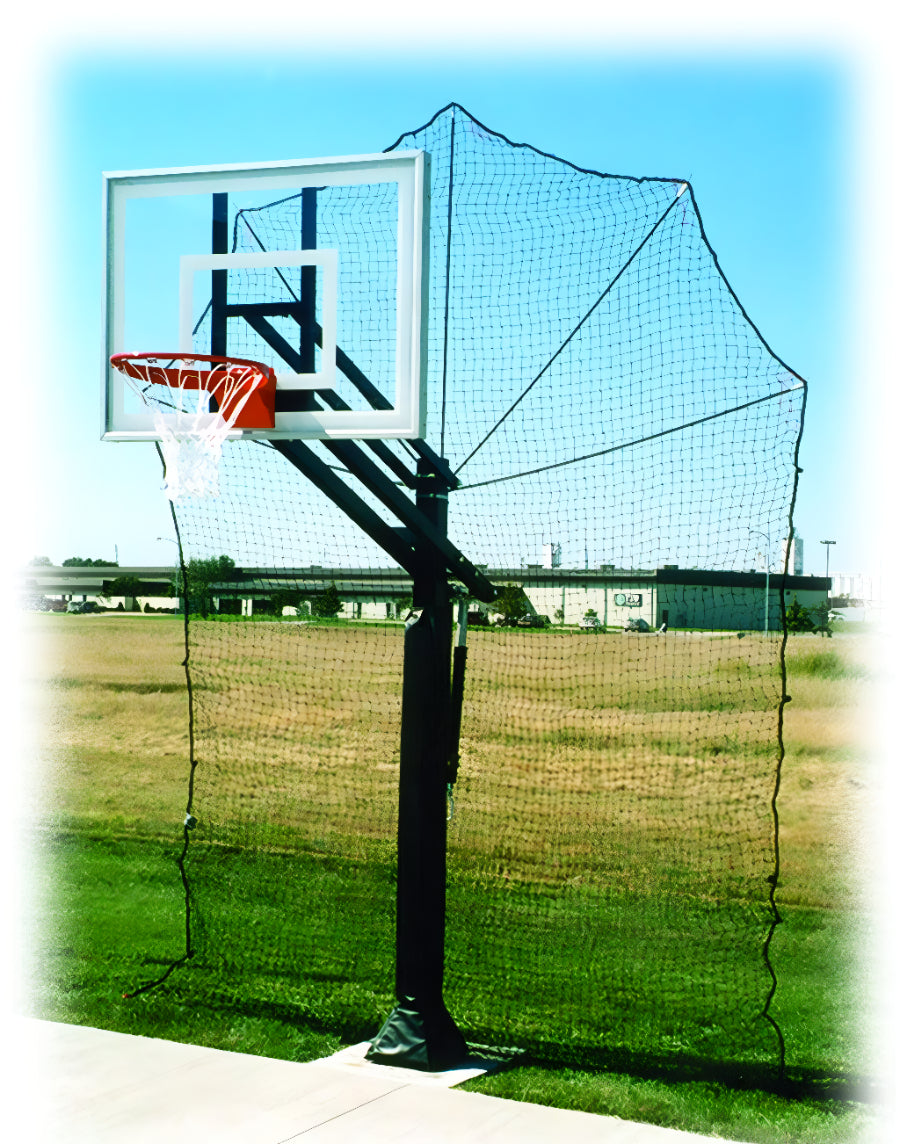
(88, 1086)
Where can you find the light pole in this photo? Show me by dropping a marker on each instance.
(828, 544)
(768, 570)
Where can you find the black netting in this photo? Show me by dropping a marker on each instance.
(626, 445)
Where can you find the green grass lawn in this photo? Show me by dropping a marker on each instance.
(108, 912)
(108, 921)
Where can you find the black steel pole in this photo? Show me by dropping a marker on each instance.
(219, 299)
(308, 241)
(420, 1033)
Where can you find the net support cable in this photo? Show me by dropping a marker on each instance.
(638, 440)
(605, 294)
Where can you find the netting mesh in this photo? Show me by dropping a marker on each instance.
(626, 443)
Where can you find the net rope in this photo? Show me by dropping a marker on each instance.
(627, 446)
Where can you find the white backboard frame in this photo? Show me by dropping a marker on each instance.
(408, 169)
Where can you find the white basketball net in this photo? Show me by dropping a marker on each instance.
(191, 453)
(190, 434)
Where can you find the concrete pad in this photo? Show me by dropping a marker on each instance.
(89, 1086)
(353, 1061)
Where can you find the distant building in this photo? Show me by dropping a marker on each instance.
(552, 555)
(863, 590)
(677, 597)
(792, 560)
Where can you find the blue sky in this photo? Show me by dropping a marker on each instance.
(767, 138)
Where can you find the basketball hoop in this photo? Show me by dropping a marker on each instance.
(198, 401)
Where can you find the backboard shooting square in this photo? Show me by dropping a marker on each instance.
(322, 375)
(315, 268)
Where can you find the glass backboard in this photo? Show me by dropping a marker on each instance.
(316, 268)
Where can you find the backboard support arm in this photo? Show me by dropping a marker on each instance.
(350, 503)
(425, 536)
(256, 315)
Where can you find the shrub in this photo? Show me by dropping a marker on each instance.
(798, 619)
(327, 604)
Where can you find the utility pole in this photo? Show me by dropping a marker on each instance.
(828, 544)
(768, 571)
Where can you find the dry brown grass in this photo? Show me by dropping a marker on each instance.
(825, 803)
(111, 717)
(569, 741)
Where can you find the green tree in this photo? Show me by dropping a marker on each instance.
(81, 562)
(127, 586)
(823, 620)
(283, 598)
(201, 576)
(327, 604)
(511, 604)
(798, 619)
(43, 561)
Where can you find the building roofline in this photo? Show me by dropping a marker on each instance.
(80, 576)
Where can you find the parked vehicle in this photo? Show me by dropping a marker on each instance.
(534, 622)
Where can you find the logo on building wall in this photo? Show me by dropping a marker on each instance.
(628, 599)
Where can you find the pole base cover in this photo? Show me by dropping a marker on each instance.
(419, 1036)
